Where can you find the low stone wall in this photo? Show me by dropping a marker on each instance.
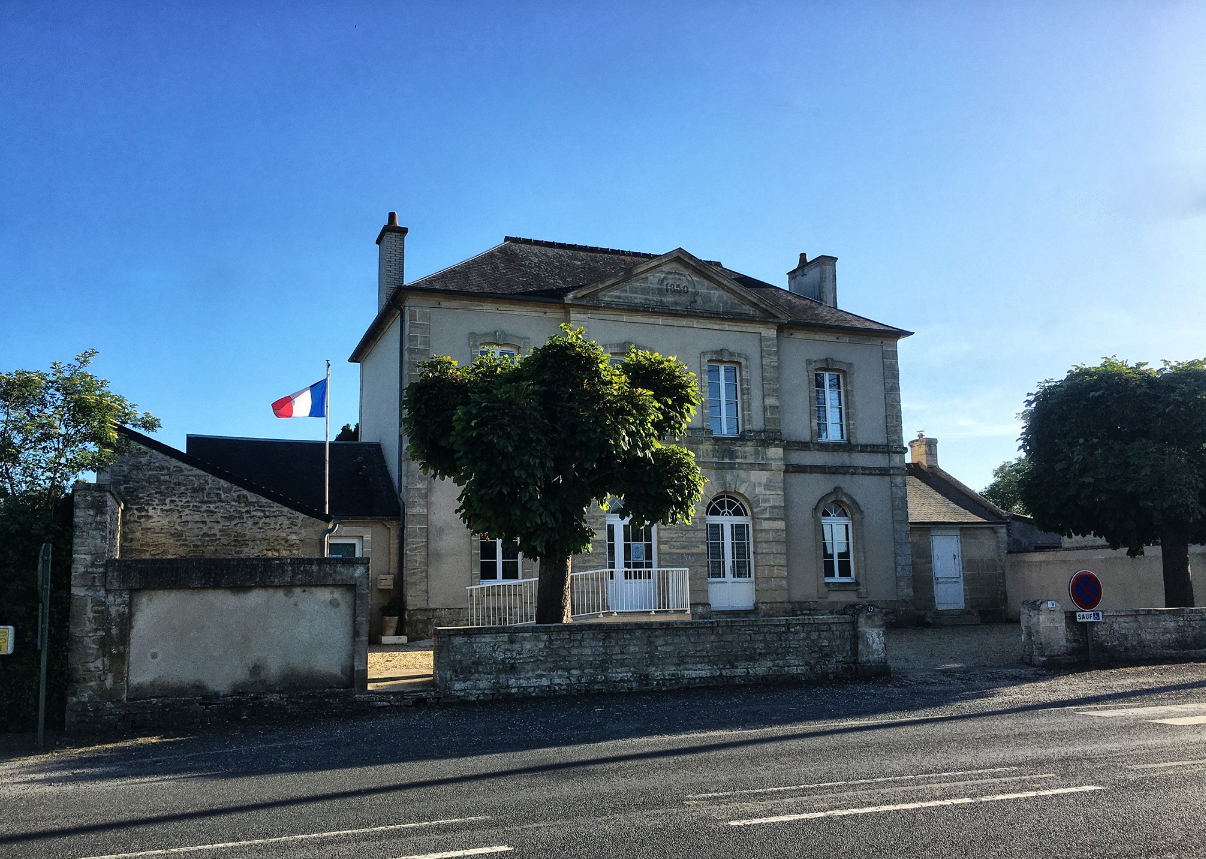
(488, 662)
(1053, 637)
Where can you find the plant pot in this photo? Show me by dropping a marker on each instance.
(389, 625)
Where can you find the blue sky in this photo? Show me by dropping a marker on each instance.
(194, 189)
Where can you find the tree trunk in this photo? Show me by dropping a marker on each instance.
(553, 591)
(1174, 553)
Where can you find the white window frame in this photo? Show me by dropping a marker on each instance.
(833, 382)
(829, 544)
(498, 560)
(498, 350)
(356, 542)
(728, 408)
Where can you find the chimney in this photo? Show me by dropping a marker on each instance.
(391, 251)
(815, 279)
(924, 451)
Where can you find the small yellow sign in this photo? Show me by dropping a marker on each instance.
(8, 635)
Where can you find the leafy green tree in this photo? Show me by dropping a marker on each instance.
(56, 425)
(533, 442)
(1119, 450)
(349, 433)
(1004, 491)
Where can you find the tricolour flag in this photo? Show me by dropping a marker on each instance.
(309, 402)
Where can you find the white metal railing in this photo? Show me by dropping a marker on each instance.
(593, 593)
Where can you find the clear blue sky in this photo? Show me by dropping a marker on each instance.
(194, 189)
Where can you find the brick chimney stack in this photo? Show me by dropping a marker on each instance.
(815, 279)
(924, 451)
(391, 253)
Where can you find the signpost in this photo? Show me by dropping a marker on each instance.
(43, 634)
(1085, 589)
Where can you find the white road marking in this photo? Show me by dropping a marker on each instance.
(1166, 764)
(1182, 720)
(335, 833)
(1168, 709)
(908, 806)
(476, 851)
(840, 783)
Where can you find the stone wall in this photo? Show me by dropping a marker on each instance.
(172, 510)
(486, 662)
(149, 634)
(1052, 636)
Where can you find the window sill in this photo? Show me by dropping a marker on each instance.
(841, 584)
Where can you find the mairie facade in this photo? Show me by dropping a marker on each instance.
(799, 435)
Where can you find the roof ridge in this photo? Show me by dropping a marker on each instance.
(569, 246)
(594, 249)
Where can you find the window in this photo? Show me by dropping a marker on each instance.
(728, 533)
(498, 559)
(631, 549)
(831, 406)
(838, 555)
(723, 399)
(343, 547)
(498, 351)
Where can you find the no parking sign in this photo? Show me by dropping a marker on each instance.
(1085, 590)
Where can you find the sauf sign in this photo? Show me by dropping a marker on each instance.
(1085, 590)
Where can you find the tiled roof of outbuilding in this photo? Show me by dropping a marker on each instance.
(936, 498)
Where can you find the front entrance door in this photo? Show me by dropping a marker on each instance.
(730, 555)
(631, 559)
(948, 570)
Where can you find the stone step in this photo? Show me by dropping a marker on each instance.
(960, 617)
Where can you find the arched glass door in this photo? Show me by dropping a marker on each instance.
(730, 555)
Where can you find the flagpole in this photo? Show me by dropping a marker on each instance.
(326, 500)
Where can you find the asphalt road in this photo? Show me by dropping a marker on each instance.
(940, 764)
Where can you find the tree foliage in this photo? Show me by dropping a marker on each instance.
(1005, 489)
(56, 425)
(533, 442)
(1119, 450)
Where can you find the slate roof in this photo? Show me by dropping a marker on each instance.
(360, 483)
(538, 270)
(936, 498)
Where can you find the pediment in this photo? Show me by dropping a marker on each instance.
(676, 283)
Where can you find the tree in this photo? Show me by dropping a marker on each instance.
(1119, 451)
(56, 425)
(1004, 491)
(533, 442)
(349, 433)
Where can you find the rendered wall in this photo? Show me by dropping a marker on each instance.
(223, 641)
(1126, 582)
(380, 386)
(487, 662)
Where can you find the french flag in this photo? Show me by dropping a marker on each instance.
(309, 402)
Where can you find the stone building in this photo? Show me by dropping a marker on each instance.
(959, 541)
(799, 437)
(227, 497)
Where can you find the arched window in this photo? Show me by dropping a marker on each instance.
(838, 553)
(728, 528)
(727, 505)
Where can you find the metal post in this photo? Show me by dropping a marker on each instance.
(326, 472)
(1089, 639)
(43, 635)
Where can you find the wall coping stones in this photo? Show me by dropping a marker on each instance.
(139, 573)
